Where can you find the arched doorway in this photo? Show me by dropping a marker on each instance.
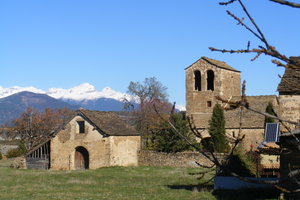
(81, 158)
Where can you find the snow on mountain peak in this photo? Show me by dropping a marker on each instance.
(81, 92)
(85, 91)
(85, 87)
(4, 92)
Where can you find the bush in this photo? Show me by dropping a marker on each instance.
(20, 151)
(12, 153)
(243, 164)
(1, 156)
(167, 140)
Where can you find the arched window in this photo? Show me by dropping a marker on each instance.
(197, 75)
(210, 80)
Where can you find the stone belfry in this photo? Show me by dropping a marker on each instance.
(206, 79)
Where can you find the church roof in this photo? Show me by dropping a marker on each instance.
(216, 63)
(290, 81)
(108, 123)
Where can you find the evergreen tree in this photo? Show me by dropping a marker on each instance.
(166, 140)
(217, 129)
(270, 110)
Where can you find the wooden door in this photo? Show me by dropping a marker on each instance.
(79, 160)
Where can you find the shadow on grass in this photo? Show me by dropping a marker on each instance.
(243, 194)
(199, 188)
(247, 194)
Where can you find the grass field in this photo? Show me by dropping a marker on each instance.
(105, 183)
(116, 183)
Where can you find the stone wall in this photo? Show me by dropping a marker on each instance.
(253, 137)
(66, 141)
(181, 159)
(290, 109)
(124, 150)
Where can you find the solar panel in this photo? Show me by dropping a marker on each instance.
(272, 132)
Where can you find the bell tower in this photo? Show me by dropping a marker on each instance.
(206, 79)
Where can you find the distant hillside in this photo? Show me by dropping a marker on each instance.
(101, 104)
(12, 106)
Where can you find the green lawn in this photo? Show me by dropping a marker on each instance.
(105, 183)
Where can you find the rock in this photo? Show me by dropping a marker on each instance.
(19, 163)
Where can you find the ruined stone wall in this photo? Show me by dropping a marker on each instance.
(180, 159)
(124, 150)
(290, 108)
(63, 147)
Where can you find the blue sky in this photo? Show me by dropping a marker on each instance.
(63, 43)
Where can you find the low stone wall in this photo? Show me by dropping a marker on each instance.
(180, 159)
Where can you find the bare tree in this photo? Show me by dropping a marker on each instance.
(34, 127)
(149, 92)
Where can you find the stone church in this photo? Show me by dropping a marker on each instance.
(88, 140)
(208, 78)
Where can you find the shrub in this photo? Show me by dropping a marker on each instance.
(243, 164)
(167, 140)
(0, 156)
(20, 151)
(12, 153)
(270, 110)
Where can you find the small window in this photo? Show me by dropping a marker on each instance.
(209, 104)
(81, 126)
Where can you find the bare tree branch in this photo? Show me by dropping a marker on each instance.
(287, 3)
(240, 21)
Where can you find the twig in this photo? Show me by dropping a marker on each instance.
(287, 3)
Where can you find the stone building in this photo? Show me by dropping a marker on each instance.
(208, 78)
(289, 98)
(89, 140)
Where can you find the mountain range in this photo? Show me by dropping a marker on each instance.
(16, 100)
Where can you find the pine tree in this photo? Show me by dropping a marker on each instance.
(217, 129)
(270, 110)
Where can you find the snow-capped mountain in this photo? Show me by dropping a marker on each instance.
(16, 99)
(86, 91)
(84, 95)
(12, 106)
(82, 92)
(5, 92)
